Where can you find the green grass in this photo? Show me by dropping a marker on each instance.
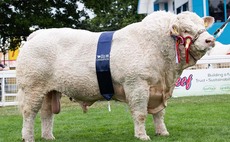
(188, 119)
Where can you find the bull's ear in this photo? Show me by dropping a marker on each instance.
(174, 30)
(208, 21)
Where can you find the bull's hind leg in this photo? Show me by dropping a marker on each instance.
(159, 123)
(30, 103)
(137, 96)
(47, 113)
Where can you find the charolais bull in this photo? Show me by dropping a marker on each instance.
(145, 60)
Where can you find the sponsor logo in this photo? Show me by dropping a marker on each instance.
(209, 88)
(103, 57)
(184, 82)
(225, 87)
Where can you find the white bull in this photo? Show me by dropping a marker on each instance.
(142, 61)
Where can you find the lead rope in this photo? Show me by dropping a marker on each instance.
(186, 42)
(179, 41)
(177, 52)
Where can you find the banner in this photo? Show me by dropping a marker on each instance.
(203, 82)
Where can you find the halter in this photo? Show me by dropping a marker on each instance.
(186, 42)
(198, 34)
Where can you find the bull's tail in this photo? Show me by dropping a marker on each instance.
(19, 99)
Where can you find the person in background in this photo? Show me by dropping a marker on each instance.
(1, 67)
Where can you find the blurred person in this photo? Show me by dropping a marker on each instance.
(2, 67)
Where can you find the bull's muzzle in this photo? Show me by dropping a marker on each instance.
(210, 41)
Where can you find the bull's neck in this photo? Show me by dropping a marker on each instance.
(192, 61)
(183, 65)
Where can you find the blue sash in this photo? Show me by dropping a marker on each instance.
(103, 65)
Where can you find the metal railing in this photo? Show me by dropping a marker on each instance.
(8, 88)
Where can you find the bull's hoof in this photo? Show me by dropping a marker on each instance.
(163, 134)
(143, 137)
(24, 140)
(48, 137)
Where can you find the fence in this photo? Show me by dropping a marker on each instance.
(8, 88)
(211, 75)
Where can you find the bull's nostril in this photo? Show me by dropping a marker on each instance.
(208, 40)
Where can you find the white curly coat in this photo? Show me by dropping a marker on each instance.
(142, 63)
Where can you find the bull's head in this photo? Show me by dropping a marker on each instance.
(192, 31)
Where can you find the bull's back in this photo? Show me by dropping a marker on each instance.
(54, 55)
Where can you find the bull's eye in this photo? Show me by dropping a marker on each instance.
(187, 31)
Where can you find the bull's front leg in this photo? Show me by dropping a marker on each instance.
(159, 123)
(137, 96)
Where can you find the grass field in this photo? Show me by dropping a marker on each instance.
(188, 119)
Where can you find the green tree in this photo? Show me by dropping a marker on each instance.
(112, 14)
(19, 16)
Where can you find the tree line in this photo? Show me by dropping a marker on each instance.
(19, 18)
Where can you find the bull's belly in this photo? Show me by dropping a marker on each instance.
(89, 92)
(82, 93)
